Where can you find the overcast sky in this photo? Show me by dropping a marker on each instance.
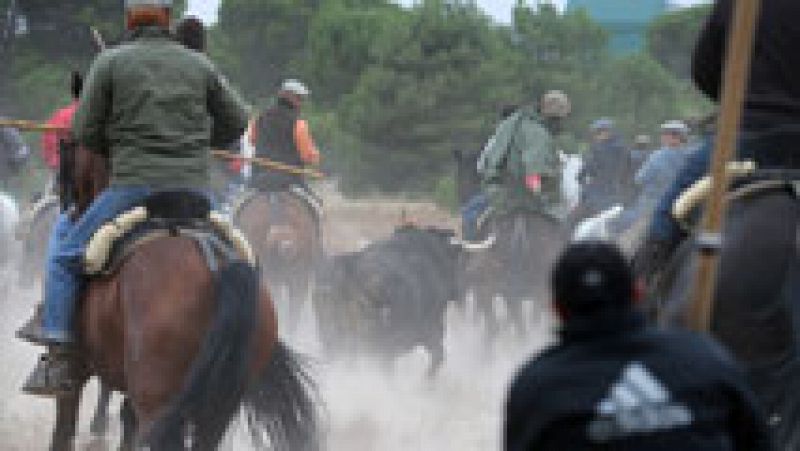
(500, 9)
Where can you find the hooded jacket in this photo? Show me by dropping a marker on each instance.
(615, 384)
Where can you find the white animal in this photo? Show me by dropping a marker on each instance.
(597, 227)
(9, 217)
(571, 165)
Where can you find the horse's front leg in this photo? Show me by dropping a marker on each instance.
(99, 425)
(66, 420)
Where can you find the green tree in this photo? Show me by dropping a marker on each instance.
(638, 92)
(671, 38)
(434, 84)
(561, 51)
(261, 42)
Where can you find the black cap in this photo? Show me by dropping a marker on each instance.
(191, 32)
(592, 276)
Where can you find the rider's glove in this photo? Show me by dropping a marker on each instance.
(533, 182)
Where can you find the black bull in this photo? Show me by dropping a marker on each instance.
(390, 297)
(757, 303)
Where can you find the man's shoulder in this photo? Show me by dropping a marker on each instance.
(699, 351)
(173, 50)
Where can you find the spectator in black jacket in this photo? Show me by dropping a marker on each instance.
(615, 384)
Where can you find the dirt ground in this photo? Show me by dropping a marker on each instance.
(366, 408)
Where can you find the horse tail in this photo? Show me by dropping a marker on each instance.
(283, 404)
(217, 380)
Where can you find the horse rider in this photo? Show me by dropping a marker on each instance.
(613, 382)
(62, 118)
(14, 153)
(519, 166)
(156, 109)
(658, 172)
(474, 200)
(769, 130)
(280, 135)
(51, 156)
(191, 32)
(642, 147)
(607, 173)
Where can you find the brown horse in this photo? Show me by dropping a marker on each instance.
(285, 236)
(187, 346)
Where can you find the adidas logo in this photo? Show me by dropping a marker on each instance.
(636, 404)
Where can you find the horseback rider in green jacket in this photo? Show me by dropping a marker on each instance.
(156, 109)
(519, 166)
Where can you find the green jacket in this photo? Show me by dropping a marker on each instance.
(520, 146)
(157, 108)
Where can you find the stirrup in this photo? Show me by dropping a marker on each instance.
(53, 376)
(32, 331)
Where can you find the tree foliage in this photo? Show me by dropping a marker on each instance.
(671, 38)
(396, 90)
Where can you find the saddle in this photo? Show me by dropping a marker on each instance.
(746, 181)
(165, 214)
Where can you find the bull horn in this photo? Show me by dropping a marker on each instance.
(475, 247)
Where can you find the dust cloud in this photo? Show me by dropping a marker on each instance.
(366, 407)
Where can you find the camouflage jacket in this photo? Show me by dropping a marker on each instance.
(521, 145)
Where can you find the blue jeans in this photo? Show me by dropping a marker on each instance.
(471, 213)
(65, 257)
(771, 148)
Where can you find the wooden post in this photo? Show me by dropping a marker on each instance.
(734, 87)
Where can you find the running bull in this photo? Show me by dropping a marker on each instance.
(391, 296)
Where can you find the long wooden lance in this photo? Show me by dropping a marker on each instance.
(269, 164)
(33, 126)
(30, 126)
(737, 70)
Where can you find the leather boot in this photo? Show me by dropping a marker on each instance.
(55, 374)
(32, 331)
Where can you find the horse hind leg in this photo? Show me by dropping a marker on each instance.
(63, 438)
(127, 417)
(99, 424)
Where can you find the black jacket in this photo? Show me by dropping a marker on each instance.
(615, 384)
(774, 91)
(275, 142)
(607, 172)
